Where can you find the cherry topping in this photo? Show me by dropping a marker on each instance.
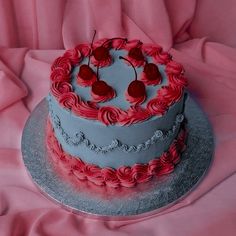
(136, 54)
(85, 72)
(101, 53)
(136, 89)
(151, 71)
(100, 88)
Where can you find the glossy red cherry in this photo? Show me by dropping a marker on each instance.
(101, 53)
(101, 88)
(136, 89)
(136, 54)
(85, 72)
(151, 71)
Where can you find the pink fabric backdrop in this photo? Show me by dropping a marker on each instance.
(200, 34)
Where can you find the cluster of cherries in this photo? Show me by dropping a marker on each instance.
(100, 90)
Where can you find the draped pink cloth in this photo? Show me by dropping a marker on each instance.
(200, 34)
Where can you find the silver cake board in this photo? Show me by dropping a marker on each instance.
(124, 203)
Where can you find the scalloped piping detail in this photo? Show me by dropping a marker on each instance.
(80, 137)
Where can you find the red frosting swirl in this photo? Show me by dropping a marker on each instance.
(103, 98)
(60, 74)
(162, 57)
(84, 49)
(118, 44)
(94, 174)
(174, 153)
(69, 100)
(125, 175)
(166, 164)
(86, 109)
(133, 44)
(62, 62)
(110, 177)
(151, 49)
(109, 115)
(170, 94)
(154, 167)
(157, 107)
(140, 173)
(174, 68)
(78, 170)
(59, 88)
(176, 80)
(73, 55)
(134, 115)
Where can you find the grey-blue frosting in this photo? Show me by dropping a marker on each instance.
(118, 75)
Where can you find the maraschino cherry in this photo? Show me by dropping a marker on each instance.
(151, 74)
(136, 92)
(86, 75)
(101, 91)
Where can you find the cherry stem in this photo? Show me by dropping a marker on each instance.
(125, 39)
(120, 57)
(91, 46)
(97, 72)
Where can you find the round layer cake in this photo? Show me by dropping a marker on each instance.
(116, 112)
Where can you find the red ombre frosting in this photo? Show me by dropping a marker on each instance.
(60, 88)
(137, 53)
(69, 100)
(124, 176)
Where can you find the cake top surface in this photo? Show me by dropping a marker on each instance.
(116, 81)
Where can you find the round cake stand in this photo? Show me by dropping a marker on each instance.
(124, 203)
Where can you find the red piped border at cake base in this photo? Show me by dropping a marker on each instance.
(124, 176)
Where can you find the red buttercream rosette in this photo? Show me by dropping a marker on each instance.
(174, 68)
(78, 170)
(60, 74)
(87, 110)
(125, 175)
(170, 94)
(74, 56)
(174, 153)
(119, 43)
(69, 100)
(140, 173)
(134, 115)
(59, 88)
(109, 115)
(157, 107)
(63, 63)
(133, 44)
(110, 177)
(154, 167)
(94, 174)
(166, 165)
(157, 53)
(84, 49)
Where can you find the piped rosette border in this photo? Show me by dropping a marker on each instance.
(166, 96)
(124, 176)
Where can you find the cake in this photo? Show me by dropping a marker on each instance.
(116, 112)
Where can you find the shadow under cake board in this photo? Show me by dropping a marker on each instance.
(125, 203)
